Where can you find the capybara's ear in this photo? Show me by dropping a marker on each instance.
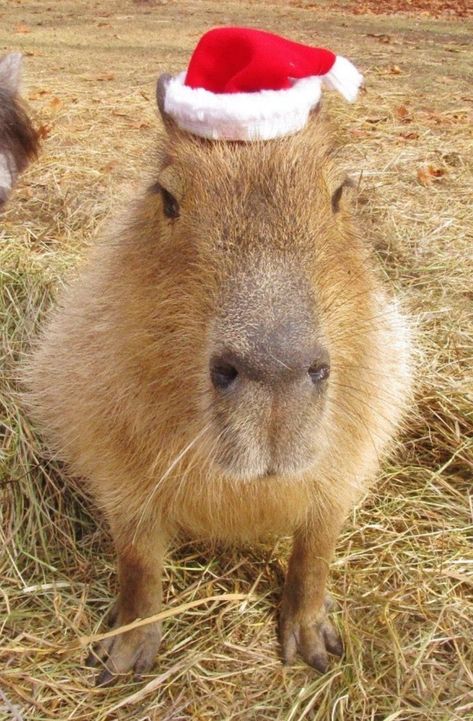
(161, 87)
(340, 191)
(10, 72)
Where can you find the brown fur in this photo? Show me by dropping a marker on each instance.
(19, 141)
(17, 134)
(120, 378)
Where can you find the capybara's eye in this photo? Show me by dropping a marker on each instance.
(222, 374)
(170, 204)
(319, 372)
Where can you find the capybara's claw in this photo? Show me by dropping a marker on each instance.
(133, 651)
(313, 638)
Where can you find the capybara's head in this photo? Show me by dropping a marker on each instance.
(18, 139)
(271, 276)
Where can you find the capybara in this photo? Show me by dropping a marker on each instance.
(227, 366)
(18, 138)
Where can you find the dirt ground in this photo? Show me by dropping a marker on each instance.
(402, 577)
(427, 8)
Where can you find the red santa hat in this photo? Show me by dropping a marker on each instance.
(247, 84)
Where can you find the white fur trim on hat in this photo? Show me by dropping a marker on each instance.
(344, 77)
(242, 116)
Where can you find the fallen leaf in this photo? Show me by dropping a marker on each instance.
(108, 167)
(403, 114)
(140, 124)
(427, 174)
(423, 176)
(436, 172)
(381, 37)
(394, 70)
(409, 136)
(22, 29)
(359, 133)
(43, 131)
(55, 103)
(428, 8)
(38, 94)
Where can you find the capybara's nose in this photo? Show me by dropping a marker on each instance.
(271, 364)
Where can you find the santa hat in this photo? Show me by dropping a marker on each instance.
(247, 84)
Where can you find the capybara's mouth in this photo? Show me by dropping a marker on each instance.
(236, 466)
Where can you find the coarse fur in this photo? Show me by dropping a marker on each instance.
(265, 249)
(19, 140)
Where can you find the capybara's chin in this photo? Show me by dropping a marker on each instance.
(289, 464)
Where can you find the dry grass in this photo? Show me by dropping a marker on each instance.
(403, 570)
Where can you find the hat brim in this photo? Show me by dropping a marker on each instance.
(262, 115)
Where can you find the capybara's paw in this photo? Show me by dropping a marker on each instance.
(133, 650)
(314, 638)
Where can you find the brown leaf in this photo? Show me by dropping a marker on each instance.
(381, 37)
(38, 94)
(108, 167)
(432, 8)
(140, 124)
(437, 172)
(22, 29)
(356, 133)
(43, 131)
(427, 174)
(403, 114)
(423, 176)
(55, 103)
(394, 70)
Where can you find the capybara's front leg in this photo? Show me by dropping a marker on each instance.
(304, 624)
(140, 564)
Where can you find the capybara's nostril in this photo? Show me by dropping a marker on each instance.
(319, 372)
(222, 374)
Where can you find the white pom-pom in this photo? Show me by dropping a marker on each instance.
(345, 78)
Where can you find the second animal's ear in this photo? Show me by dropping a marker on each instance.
(161, 88)
(337, 195)
(10, 71)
